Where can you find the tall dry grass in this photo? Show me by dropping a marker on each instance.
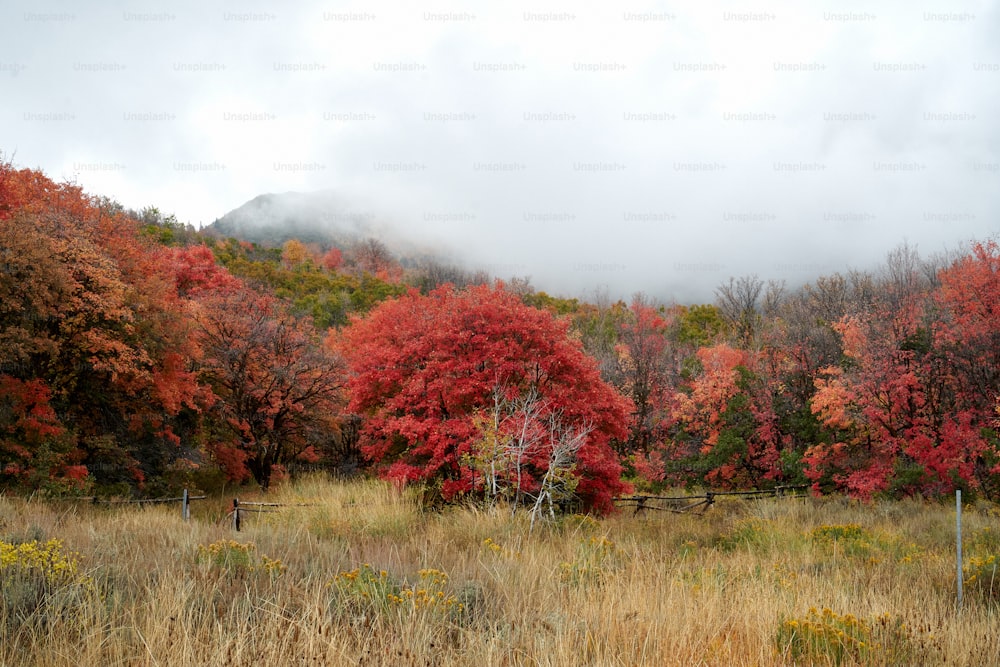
(364, 576)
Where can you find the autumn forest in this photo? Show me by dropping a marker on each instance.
(139, 356)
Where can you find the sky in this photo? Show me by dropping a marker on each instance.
(633, 146)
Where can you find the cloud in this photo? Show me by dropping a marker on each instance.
(645, 146)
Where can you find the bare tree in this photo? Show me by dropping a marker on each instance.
(773, 297)
(737, 301)
(932, 265)
(521, 435)
(372, 256)
(599, 334)
(862, 290)
(829, 298)
(901, 277)
(558, 483)
(510, 435)
(520, 286)
(432, 273)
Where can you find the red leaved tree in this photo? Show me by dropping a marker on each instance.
(726, 430)
(886, 420)
(427, 370)
(968, 337)
(644, 373)
(912, 408)
(33, 449)
(279, 392)
(196, 272)
(89, 311)
(332, 259)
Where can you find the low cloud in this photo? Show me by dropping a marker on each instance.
(644, 147)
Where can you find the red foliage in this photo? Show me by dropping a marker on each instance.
(425, 366)
(32, 419)
(970, 290)
(31, 443)
(711, 391)
(644, 357)
(32, 191)
(332, 259)
(93, 311)
(871, 409)
(277, 389)
(232, 460)
(140, 347)
(725, 415)
(195, 271)
(913, 406)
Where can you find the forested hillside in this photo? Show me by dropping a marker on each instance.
(138, 355)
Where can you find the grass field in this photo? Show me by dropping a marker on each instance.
(365, 577)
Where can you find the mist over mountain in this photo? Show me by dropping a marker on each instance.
(559, 253)
(320, 217)
(598, 148)
(325, 218)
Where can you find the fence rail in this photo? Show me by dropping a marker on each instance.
(105, 501)
(685, 504)
(235, 515)
(240, 508)
(640, 503)
(184, 500)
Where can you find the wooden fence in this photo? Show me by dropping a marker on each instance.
(240, 508)
(684, 504)
(640, 503)
(184, 500)
(235, 516)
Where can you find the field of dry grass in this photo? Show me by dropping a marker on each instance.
(363, 576)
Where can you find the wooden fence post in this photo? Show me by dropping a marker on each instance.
(236, 514)
(186, 507)
(641, 505)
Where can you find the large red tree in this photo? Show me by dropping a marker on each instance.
(426, 369)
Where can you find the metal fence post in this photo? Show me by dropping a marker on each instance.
(958, 541)
(236, 514)
(186, 507)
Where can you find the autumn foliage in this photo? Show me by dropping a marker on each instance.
(425, 369)
(277, 391)
(137, 353)
(93, 331)
(725, 430)
(108, 372)
(911, 410)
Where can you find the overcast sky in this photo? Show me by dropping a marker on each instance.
(639, 145)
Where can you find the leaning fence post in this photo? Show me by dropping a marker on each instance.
(186, 507)
(958, 541)
(236, 514)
